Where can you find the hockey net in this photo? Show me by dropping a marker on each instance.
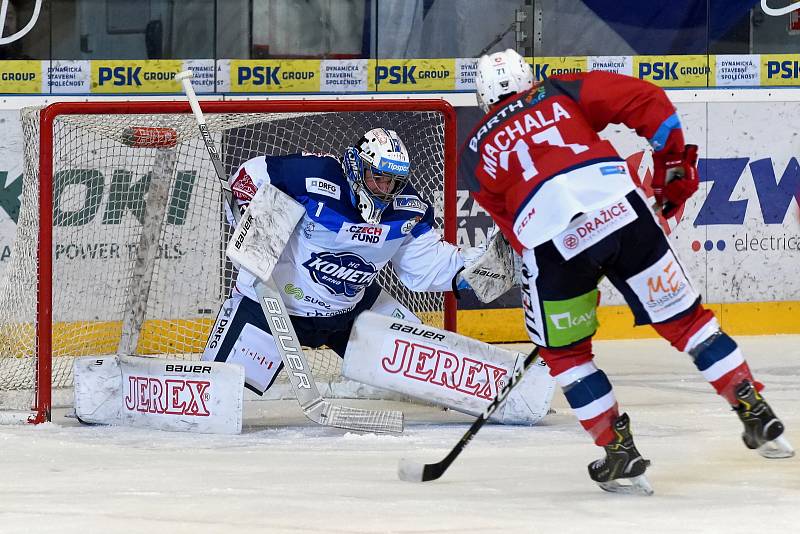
(120, 242)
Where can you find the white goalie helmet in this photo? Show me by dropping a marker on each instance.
(501, 74)
(377, 169)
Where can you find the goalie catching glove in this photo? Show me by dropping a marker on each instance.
(488, 268)
(675, 179)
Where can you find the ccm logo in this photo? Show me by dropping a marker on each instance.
(181, 368)
(421, 332)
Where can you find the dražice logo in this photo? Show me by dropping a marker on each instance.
(173, 397)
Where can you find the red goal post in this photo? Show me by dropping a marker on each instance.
(80, 305)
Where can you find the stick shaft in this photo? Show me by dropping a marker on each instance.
(436, 470)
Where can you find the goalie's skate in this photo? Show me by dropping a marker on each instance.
(763, 431)
(622, 470)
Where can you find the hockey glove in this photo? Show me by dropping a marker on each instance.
(675, 179)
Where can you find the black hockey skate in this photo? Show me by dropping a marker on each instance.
(622, 470)
(763, 431)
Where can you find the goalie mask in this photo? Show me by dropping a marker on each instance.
(501, 74)
(377, 169)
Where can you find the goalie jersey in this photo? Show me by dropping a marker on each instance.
(333, 255)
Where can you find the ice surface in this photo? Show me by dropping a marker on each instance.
(285, 475)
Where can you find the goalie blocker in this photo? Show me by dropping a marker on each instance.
(444, 368)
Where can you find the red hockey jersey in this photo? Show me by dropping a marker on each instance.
(535, 161)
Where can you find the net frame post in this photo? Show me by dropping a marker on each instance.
(41, 409)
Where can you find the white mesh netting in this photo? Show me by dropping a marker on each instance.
(103, 195)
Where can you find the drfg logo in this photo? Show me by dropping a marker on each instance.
(78, 195)
(171, 397)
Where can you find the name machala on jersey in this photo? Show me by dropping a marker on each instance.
(372, 235)
(342, 273)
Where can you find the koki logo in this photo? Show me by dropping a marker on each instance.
(445, 369)
(124, 196)
(658, 70)
(148, 394)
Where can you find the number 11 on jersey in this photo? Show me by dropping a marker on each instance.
(551, 136)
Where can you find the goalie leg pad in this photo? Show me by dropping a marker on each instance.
(241, 336)
(530, 400)
(443, 368)
(178, 395)
(388, 305)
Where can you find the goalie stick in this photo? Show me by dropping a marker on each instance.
(314, 406)
(412, 471)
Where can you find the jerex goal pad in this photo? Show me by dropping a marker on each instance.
(120, 246)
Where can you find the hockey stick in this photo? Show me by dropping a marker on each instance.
(412, 471)
(313, 405)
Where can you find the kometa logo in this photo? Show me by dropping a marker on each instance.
(341, 273)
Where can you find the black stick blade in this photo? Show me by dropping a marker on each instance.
(412, 471)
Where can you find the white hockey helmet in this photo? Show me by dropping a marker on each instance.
(379, 153)
(501, 74)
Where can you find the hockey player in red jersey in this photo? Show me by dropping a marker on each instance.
(568, 204)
